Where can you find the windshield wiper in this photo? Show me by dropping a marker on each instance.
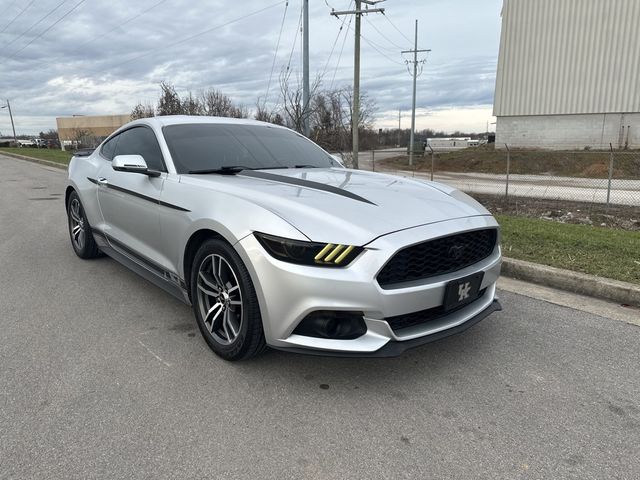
(234, 169)
(226, 170)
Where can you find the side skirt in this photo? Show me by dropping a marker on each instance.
(163, 279)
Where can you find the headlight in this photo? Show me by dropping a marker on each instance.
(308, 253)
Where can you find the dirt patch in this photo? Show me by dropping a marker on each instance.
(563, 211)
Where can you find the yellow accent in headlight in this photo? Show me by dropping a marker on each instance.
(344, 254)
(335, 252)
(323, 252)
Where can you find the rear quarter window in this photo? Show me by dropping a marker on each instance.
(109, 147)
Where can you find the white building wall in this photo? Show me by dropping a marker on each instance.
(565, 132)
(568, 57)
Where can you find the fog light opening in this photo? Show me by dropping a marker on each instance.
(334, 325)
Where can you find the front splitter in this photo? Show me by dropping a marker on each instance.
(395, 348)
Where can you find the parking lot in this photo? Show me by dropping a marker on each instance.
(105, 376)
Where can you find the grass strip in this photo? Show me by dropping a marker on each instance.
(583, 248)
(485, 159)
(53, 155)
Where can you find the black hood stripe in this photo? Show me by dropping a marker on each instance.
(303, 183)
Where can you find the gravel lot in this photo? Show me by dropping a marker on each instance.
(105, 376)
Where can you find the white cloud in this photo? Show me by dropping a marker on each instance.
(464, 119)
(93, 62)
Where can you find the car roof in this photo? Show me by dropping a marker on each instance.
(162, 121)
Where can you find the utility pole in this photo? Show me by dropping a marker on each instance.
(355, 115)
(8, 105)
(305, 69)
(399, 117)
(413, 105)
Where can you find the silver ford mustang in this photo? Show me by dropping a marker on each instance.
(274, 243)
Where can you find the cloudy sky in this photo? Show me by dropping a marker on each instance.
(87, 57)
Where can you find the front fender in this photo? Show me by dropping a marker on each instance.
(223, 213)
(79, 172)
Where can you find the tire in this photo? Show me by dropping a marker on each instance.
(225, 303)
(80, 234)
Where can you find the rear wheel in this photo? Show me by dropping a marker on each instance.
(79, 229)
(225, 303)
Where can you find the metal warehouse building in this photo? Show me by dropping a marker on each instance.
(568, 74)
(96, 126)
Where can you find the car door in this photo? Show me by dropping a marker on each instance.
(129, 201)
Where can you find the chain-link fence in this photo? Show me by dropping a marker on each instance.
(604, 177)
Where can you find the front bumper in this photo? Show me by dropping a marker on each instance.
(287, 293)
(395, 348)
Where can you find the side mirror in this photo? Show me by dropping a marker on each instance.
(132, 164)
(337, 159)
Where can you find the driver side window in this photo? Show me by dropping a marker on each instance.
(141, 141)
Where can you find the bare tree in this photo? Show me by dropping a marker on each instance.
(262, 114)
(277, 119)
(293, 109)
(191, 105)
(142, 111)
(51, 134)
(169, 102)
(217, 104)
(367, 107)
(210, 102)
(83, 138)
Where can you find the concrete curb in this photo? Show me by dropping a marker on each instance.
(580, 283)
(41, 161)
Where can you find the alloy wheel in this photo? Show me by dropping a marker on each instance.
(219, 299)
(76, 220)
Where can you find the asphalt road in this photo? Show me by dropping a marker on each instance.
(105, 376)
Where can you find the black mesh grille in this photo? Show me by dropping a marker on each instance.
(439, 256)
(424, 316)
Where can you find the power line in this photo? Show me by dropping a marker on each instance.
(355, 111)
(17, 16)
(301, 47)
(196, 35)
(382, 34)
(398, 30)
(35, 24)
(380, 52)
(9, 7)
(275, 54)
(344, 41)
(335, 42)
(49, 28)
(120, 25)
(377, 49)
(295, 38)
(415, 62)
(377, 46)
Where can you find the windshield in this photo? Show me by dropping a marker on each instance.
(206, 146)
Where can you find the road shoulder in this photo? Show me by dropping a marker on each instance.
(576, 282)
(563, 298)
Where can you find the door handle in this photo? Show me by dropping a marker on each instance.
(102, 181)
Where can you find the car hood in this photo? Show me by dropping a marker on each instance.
(337, 205)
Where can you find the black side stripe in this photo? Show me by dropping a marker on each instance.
(303, 183)
(149, 264)
(139, 195)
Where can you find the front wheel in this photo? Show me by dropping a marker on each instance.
(225, 303)
(79, 229)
